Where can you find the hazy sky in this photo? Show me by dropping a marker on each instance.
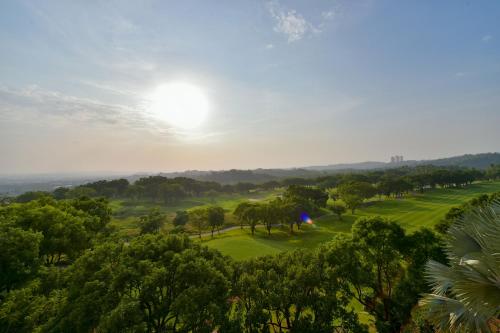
(286, 83)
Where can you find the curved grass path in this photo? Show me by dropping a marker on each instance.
(413, 212)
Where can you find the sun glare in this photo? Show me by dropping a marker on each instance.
(180, 104)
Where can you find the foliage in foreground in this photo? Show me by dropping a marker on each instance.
(466, 293)
(158, 283)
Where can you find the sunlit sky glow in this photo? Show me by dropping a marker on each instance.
(97, 85)
(179, 104)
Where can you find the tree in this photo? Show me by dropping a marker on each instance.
(152, 223)
(493, 172)
(297, 208)
(97, 208)
(338, 210)
(239, 212)
(81, 191)
(333, 194)
(249, 212)
(154, 284)
(465, 292)
(68, 226)
(198, 218)
(63, 231)
(352, 201)
(36, 305)
(270, 185)
(30, 196)
(170, 193)
(289, 213)
(292, 292)
(181, 218)
(418, 248)
(354, 192)
(381, 264)
(317, 196)
(215, 218)
(60, 193)
(394, 186)
(269, 214)
(19, 255)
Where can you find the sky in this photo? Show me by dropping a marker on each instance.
(86, 86)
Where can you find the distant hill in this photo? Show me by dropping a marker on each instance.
(224, 177)
(234, 176)
(478, 161)
(18, 185)
(353, 166)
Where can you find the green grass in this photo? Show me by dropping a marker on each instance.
(413, 212)
(123, 209)
(127, 212)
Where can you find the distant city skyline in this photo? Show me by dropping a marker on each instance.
(157, 86)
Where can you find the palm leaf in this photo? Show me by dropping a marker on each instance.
(448, 314)
(466, 294)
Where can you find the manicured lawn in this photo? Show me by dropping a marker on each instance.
(126, 213)
(123, 209)
(413, 212)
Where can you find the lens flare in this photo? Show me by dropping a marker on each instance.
(306, 219)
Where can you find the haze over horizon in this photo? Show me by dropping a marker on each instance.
(169, 86)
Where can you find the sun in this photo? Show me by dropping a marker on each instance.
(180, 104)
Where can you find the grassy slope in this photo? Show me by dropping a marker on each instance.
(412, 213)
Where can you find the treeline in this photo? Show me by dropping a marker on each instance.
(153, 188)
(391, 182)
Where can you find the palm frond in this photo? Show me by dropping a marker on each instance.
(448, 314)
(466, 294)
(440, 277)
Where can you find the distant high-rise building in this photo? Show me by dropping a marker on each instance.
(396, 159)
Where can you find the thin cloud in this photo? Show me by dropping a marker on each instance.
(328, 15)
(270, 46)
(23, 104)
(486, 38)
(290, 22)
(33, 104)
(109, 88)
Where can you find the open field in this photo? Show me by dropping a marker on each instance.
(413, 212)
(125, 213)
